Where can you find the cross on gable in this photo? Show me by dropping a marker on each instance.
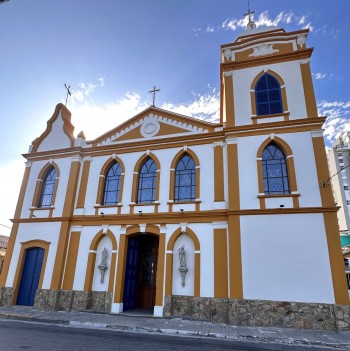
(154, 91)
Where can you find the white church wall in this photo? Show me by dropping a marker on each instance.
(284, 258)
(57, 138)
(39, 231)
(97, 285)
(185, 241)
(204, 232)
(290, 73)
(305, 167)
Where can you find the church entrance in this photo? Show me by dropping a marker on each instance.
(30, 276)
(140, 272)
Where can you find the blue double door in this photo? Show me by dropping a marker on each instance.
(30, 276)
(140, 272)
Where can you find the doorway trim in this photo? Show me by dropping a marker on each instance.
(19, 270)
(117, 305)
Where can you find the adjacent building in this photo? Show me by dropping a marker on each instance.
(339, 167)
(179, 215)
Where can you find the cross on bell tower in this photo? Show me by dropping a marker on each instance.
(251, 24)
(154, 91)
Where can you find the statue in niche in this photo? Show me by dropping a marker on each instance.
(183, 267)
(103, 265)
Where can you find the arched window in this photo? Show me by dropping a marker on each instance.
(48, 188)
(146, 189)
(112, 185)
(185, 179)
(275, 173)
(268, 95)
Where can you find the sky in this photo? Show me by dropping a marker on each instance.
(112, 52)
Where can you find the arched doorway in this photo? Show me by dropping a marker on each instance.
(30, 276)
(140, 272)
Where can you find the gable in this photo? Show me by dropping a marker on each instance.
(58, 133)
(154, 124)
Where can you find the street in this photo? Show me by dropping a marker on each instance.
(19, 335)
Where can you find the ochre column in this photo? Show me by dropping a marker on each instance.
(68, 208)
(220, 263)
(310, 100)
(83, 183)
(71, 261)
(228, 100)
(14, 230)
(219, 193)
(160, 270)
(119, 285)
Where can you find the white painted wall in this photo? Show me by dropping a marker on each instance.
(305, 169)
(289, 71)
(57, 138)
(105, 243)
(38, 231)
(285, 258)
(187, 290)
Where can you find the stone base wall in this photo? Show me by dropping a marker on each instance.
(72, 300)
(6, 296)
(259, 312)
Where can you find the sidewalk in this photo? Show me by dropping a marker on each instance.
(182, 327)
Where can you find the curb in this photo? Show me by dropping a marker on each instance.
(174, 332)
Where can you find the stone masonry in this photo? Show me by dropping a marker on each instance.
(259, 313)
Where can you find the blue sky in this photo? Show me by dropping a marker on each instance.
(112, 52)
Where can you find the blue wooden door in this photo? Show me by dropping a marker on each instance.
(30, 276)
(131, 274)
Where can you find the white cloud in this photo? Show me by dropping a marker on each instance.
(319, 75)
(338, 118)
(85, 90)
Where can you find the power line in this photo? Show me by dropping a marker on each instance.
(324, 183)
(3, 225)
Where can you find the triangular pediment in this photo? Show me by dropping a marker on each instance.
(154, 123)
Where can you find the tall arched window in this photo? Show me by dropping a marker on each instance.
(275, 173)
(185, 179)
(268, 95)
(112, 185)
(146, 189)
(48, 188)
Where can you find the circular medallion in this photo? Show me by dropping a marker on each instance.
(150, 128)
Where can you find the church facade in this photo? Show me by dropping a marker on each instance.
(174, 214)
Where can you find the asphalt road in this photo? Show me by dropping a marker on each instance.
(19, 335)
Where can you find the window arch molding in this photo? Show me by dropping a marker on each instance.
(288, 153)
(39, 184)
(101, 181)
(137, 169)
(283, 91)
(174, 163)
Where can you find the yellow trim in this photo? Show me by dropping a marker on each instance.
(197, 274)
(336, 259)
(68, 208)
(101, 182)
(160, 270)
(14, 230)
(229, 101)
(235, 258)
(169, 274)
(90, 269)
(83, 184)
(292, 180)
(137, 168)
(233, 177)
(19, 270)
(39, 184)
(119, 283)
(177, 233)
(322, 171)
(71, 261)
(174, 163)
(219, 189)
(283, 95)
(310, 100)
(220, 263)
